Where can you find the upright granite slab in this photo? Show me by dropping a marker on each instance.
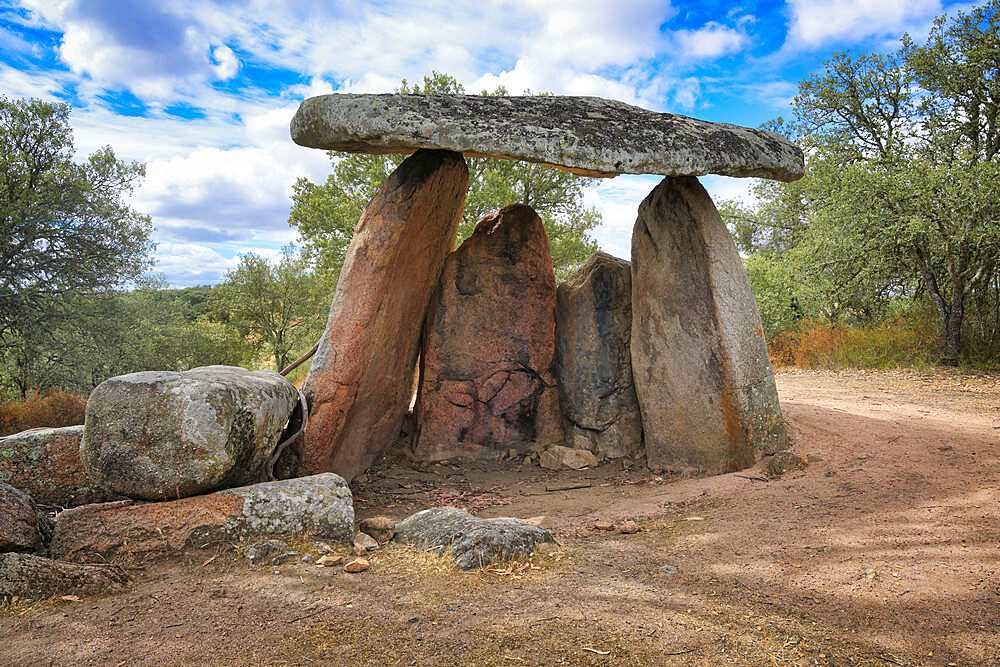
(488, 374)
(593, 361)
(590, 136)
(702, 374)
(359, 384)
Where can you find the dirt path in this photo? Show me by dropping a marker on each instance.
(884, 551)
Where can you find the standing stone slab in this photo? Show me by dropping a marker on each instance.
(585, 135)
(702, 374)
(45, 463)
(159, 434)
(359, 384)
(593, 361)
(319, 505)
(488, 380)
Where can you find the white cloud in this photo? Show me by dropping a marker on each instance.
(815, 22)
(189, 264)
(710, 41)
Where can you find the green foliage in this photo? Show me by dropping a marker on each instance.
(326, 214)
(902, 189)
(277, 307)
(64, 226)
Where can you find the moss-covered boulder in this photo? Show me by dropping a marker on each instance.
(45, 463)
(161, 435)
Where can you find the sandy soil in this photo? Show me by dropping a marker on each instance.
(884, 550)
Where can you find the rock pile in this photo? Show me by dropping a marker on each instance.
(665, 354)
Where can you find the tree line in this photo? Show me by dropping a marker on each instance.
(898, 216)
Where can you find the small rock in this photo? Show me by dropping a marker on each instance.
(828, 548)
(814, 458)
(472, 541)
(22, 526)
(324, 548)
(512, 453)
(565, 457)
(830, 473)
(782, 462)
(218, 593)
(308, 559)
(365, 541)
(667, 569)
(330, 561)
(868, 573)
(262, 552)
(357, 565)
(382, 528)
(604, 525)
(285, 557)
(361, 479)
(946, 448)
(629, 527)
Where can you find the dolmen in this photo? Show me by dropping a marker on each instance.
(662, 356)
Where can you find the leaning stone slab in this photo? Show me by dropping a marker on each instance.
(473, 542)
(593, 359)
(23, 527)
(589, 136)
(37, 578)
(161, 435)
(702, 373)
(320, 505)
(360, 382)
(45, 463)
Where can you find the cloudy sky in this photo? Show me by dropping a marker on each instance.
(202, 90)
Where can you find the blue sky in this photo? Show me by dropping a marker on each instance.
(202, 90)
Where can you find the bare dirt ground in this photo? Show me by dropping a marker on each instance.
(884, 550)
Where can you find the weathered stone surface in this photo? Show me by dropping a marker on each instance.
(472, 541)
(702, 374)
(23, 527)
(161, 434)
(783, 462)
(34, 577)
(359, 384)
(319, 505)
(261, 552)
(45, 463)
(586, 135)
(382, 528)
(558, 457)
(593, 361)
(488, 381)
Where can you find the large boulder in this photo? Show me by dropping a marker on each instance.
(45, 463)
(702, 373)
(161, 434)
(359, 384)
(593, 360)
(472, 541)
(34, 577)
(585, 135)
(487, 369)
(320, 505)
(23, 527)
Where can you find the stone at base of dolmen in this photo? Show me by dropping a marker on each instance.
(488, 366)
(45, 463)
(320, 505)
(702, 373)
(471, 540)
(593, 361)
(360, 381)
(37, 578)
(159, 435)
(23, 527)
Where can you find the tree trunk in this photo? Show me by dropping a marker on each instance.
(953, 328)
